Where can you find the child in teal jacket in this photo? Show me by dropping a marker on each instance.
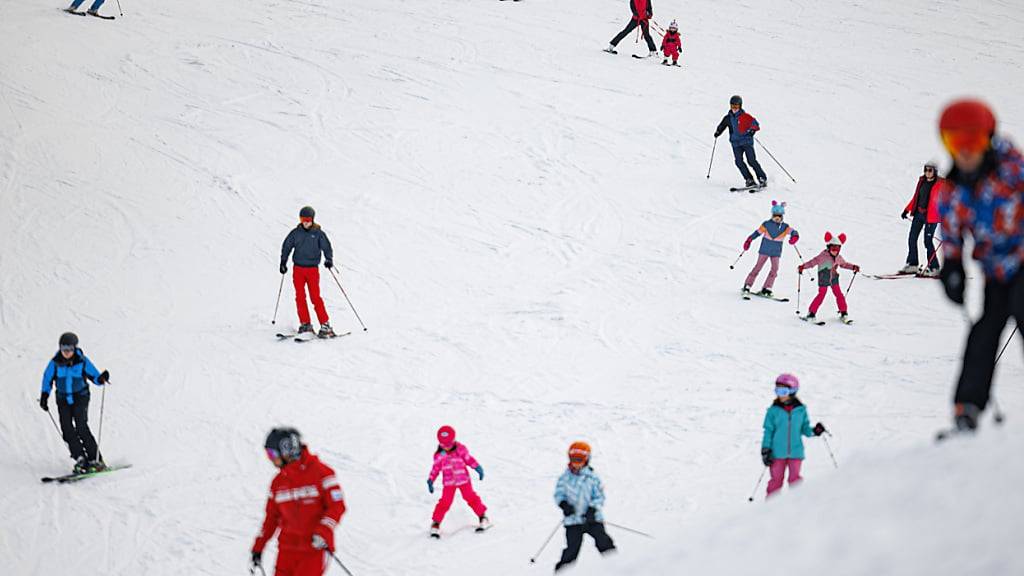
(785, 425)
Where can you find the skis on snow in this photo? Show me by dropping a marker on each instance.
(76, 477)
(848, 321)
(94, 14)
(312, 336)
(435, 533)
(748, 295)
(751, 189)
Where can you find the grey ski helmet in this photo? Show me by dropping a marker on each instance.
(736, 99)
(285, 442)
(307, 212)
(69, 339)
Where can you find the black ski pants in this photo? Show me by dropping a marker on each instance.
(921, 223)
(1002, 300)
(574, 540)
(738, 151)
(74, 424)
(645, 27)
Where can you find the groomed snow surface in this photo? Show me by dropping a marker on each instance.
(525, 225)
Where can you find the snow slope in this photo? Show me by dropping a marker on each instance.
(523, 222)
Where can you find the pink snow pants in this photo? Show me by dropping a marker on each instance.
(779, 467)
(822, 290)
(448, 495)
(770, 281)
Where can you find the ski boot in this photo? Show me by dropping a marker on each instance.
(664, 62)
(653, 54)
(748, 183)
(676, 63)
(435, 530)
(611, 49)
(745, 291)
(845, 318)
(304, 328)
(765, 292)
(930, 273)
(909, 269)
(485, 523)
(811, 317)
(81, 466)
(966, 417)
(325, 331)
(762, 183)
(96, 465)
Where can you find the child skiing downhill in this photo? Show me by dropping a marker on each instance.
(774, 232)
(580, 495)
(742, 127)
(785, 425)
(308, 240)
(452, 459)
(68, 373)
(828, 263)
(672, 44)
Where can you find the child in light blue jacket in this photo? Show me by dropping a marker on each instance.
(580, 495)
(785, 425)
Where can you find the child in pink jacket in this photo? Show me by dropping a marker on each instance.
(828, 263)
(451, 460)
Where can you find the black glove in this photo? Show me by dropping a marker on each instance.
(257, 559)
(590, 516)
(329, 264)
(284, 268)
(819, 429)
(104, 377)
(952, 276)
(904, 215)
(44, 401)
(718, 133)
(766, 456)
(567, 508)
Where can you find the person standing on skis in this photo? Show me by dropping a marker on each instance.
(305, 504)
(642, 14)
(925, 209)
(774, 232)
(308, 241)
(742, 127)
(986, 202)
(580, 495)
(68, 373)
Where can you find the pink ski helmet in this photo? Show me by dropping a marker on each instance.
(446, 436)
(789, 381)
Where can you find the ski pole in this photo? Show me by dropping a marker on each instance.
(345, 294)
(799, 284)
(798, 254)
(758, 485)
(99, 439)
(851, 283)
(252, 570)
(998, 414)
(545, 545)
(119, 8)
(338, 561)
(934, 254)
(834, 463)
(279, 289)
(50, 414)
(712, 162)
(621, 527)
(733, 265)
(776, 160)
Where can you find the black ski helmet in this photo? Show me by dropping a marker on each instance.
(286, 442)
(736, 99)
(69, 339)
(307, 212)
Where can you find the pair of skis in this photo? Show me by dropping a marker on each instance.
(435, 533)
(75, 477)
(751, 189)
(749, 295)
(845, 320)
(302, 338)
(94, 14)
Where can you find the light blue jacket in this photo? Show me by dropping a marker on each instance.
(583, 490)
(784, 430)
(69, 377)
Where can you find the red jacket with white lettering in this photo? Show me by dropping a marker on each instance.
(305, 499)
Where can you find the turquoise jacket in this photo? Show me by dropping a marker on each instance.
(784, 429)
(583, 490)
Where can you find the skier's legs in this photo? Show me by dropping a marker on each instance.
(929, 246)
(794, 470)
(840, 298)
(816, 303)
(301, 563)
(96, 5)
(772, 274)
(737, 153)
(573, 541)
(67, 429)
(777, 471)
(601, 538)
(313, 279)
(76, 4)
(761, 259)
(982, 344)
(447, 495)
(299, 281)
(625, 32)
(748, 149)
(915, 232)
(80, 414)
(645, 27)
(473, 499)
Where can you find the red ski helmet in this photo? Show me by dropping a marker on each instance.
(446, 436)
(967, 125)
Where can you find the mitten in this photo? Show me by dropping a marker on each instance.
(284, 268)
(44, 401)
(480, 470)
(794, 239)
(952, 276)
(104, 377)
(766, 456)
(904, 215)
(591, 515)
(323, 538)
(567, 508)
(329, 264)
(430, 485)
(746, 244)
(819, 429)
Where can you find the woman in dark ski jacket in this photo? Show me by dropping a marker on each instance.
(308, 241)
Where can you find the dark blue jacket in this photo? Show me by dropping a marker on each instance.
(307, 245)
(741, 127)
(70, 376)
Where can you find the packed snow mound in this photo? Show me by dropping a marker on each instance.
(951, 508)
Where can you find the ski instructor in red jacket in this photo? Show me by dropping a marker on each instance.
(305, 504)
(642, 14)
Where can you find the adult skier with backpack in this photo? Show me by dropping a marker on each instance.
(580, 495)
(987, 203)
(305, 504)
(68, 374)
(924, 206)
(642, 14)
(742, 127)
(308, 241)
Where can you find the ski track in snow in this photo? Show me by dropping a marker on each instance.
(523, 222)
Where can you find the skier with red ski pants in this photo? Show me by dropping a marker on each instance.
(308, 241)
(451, 460)
(671, 44)
(828, 263)
(306, 503)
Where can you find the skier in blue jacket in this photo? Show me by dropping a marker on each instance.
(785, 425)
(742, 127)
(580, 495)
(68, 374)
(774, 232)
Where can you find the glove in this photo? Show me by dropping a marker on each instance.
(746, 244)
(591, 515)
(794, 239)
(819, 429)
(800, 268)
(44, 401)
(856, 268)
(718, 133)
(430, 485)
(904, 215)
(766, 456)
(104, 377)
(567, 508)
(329, 264)
(323, 538)
(952, 276)
(480, 470)
(257, 559)
(284, 268)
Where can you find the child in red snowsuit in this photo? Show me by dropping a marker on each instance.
(828, 263)
(672, 44)
(450, 461)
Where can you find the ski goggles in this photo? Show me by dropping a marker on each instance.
(305, 220)
(965, 141)
(928, 169)
(66, 348)
(784, 391)
(273, 454)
